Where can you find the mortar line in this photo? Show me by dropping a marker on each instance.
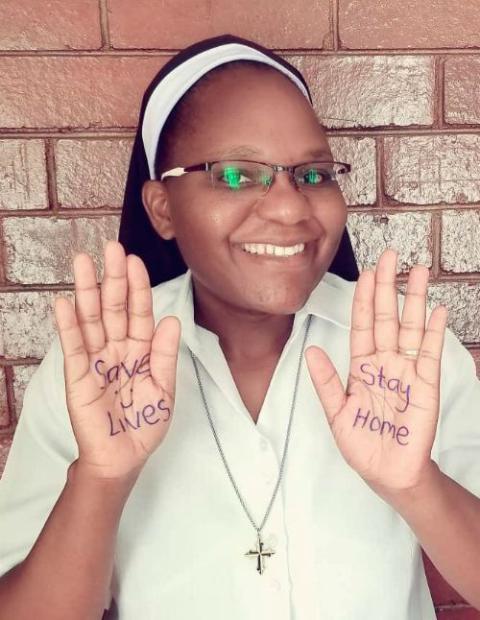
(6, 362)
(388, 208)
(334, 25)
(440, 91)
(379, 169)
(472, 278)
(51, 176)
(3, 274)
(104, 25)
(11, 409)
(129, 132)
(436, 244)
(310, 51)
(62, 212)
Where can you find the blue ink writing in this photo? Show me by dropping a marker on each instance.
(116, 372)
(135, 421)
(393, 385)
(375, 424)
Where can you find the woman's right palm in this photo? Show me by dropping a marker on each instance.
(119, 369)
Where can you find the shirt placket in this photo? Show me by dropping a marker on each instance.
(275, 581)
(267, 439)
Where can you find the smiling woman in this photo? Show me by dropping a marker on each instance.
(216, 466)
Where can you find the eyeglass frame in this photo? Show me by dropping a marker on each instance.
(207, 166)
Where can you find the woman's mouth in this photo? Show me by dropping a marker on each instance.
(268, 249)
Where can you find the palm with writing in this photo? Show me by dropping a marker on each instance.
(384, 424)
(119, 369)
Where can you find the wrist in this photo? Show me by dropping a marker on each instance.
(427, 487)
(80, 472)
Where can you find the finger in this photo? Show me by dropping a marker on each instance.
(114, 292)
(362, 341)
(87, 303)
(386, 303)
(76, 359)
(412, 325)
(140, 305)
(429, 358)
(327, 383)
(164, 354)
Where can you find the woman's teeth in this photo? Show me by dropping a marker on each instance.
(273, 250)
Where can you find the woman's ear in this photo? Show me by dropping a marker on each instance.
(156, 203)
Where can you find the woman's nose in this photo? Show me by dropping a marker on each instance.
(284, 202)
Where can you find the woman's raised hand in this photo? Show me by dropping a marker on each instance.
(384, 424)
(119, 369)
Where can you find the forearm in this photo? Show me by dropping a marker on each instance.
(68, 571)
(446, 520)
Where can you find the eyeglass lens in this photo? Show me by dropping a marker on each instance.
(237, 177)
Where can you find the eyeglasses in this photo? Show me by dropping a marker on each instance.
(250, 178)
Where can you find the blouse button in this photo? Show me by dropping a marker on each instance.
(263, 444)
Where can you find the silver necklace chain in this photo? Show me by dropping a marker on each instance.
(287, 437)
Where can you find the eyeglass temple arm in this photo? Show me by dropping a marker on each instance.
(174, 172)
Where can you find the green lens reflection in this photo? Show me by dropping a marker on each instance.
(232, 177)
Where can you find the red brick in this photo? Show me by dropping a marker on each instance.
(370, 91)
(23, 180)
(460, 243)
(27, 322)
(174, 25)
(442, 593)
(370, 24)
(4, 413)
(408, 233)
(21, 378)
(65, 92)
(475, 352)
(462, 299)
(55, 24)
(106, 91)
(5, 443)
(40, 250)
(91, 173)
(459, 613)
(360, 186)
(433, 169)
(462, 95)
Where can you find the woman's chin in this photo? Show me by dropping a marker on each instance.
(278, 302)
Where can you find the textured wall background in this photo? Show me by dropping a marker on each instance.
(405, 74)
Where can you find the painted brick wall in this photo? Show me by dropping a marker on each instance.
(405, 74)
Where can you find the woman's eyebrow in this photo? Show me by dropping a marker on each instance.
(246, 150)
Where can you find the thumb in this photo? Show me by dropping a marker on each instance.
(327, 383)
(164, 354)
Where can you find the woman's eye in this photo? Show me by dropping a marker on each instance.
(234, 177)
(315, 176)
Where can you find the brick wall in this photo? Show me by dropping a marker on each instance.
(405, 74)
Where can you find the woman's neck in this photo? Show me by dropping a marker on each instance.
(245, 337)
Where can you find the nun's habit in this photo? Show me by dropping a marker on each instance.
(162, 258)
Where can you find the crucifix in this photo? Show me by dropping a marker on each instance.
(260, 552)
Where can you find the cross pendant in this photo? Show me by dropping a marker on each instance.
(260, 552)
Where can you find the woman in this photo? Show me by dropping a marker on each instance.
(203, 479)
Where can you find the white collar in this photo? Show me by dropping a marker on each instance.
(330, 300)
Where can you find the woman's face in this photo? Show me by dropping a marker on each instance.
(270, 114)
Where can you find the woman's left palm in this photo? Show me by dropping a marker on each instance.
(384, 423)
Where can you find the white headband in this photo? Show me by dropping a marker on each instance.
(177, 82)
